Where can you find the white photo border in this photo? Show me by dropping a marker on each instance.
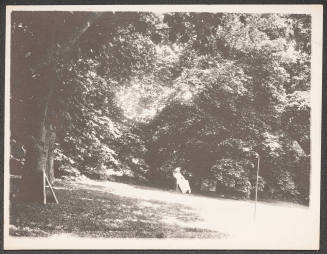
(69, 242)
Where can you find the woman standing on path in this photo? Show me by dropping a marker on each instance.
(181, 182)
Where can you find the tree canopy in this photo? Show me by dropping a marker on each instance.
(137, 94)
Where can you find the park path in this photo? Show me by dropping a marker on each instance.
(102, 212)
(272, 225)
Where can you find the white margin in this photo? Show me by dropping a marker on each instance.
(316, 12)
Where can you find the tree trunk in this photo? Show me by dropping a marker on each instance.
(37, 147)
(39, 161)
(51, 138)
(33, 188)
(41, 136)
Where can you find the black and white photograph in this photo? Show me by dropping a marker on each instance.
(163, 127)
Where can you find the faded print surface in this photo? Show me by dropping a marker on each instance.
(170, 125)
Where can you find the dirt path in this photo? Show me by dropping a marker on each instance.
(229, 216)
(117, 210)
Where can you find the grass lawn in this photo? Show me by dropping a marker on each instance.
(94, 211)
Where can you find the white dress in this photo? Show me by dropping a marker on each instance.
(182, 183)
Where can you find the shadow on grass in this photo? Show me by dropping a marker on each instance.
(95, 213)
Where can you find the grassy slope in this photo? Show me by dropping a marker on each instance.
(94, 212)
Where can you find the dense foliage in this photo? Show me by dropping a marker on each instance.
(140, 94)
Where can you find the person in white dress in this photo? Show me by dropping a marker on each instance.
(181, 182)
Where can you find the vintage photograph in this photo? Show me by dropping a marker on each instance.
(162, 127)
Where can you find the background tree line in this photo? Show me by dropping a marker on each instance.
(136, 94)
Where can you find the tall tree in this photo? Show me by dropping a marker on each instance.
(57, 48)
